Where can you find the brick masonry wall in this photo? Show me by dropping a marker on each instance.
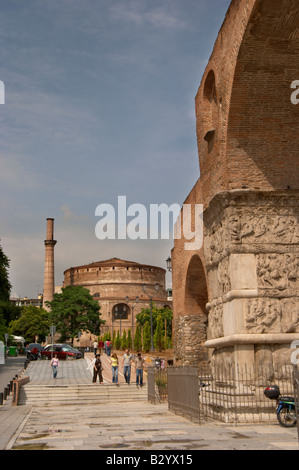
(247, 135)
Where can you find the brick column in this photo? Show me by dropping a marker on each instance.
(49, 284)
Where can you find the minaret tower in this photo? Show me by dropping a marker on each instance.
(49, 284)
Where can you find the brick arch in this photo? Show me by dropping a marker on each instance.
(210, 110)
(196, 292)
(262, 148)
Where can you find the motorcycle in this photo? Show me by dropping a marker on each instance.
(34, 355)
(285, 409)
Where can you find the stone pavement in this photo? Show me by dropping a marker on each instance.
(133, 426)
(73, 372)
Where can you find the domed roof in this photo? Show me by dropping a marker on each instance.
(116, 262)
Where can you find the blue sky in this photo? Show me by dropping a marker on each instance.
(99, 102)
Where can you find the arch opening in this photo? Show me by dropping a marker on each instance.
(196, 295)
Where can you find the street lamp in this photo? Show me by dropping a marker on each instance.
(157, 287)
(132, 307)
(169, 264)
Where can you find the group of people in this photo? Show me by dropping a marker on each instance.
(97, 365)
(107, 346)
(128, 358)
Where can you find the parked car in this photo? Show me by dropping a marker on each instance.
(63, 351)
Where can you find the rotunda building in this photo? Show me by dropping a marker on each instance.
(122, 289)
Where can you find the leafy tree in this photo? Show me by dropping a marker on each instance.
(75, 310)
(124, 340)
(3, 328)
(117, 342)
(146, 337)
(9, 311)
(165, 313)
(33, 322)
(137, 339)
(5, 285)
(159, 336)
(129, 339)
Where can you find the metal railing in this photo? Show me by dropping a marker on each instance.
(296, 395)
(157, 385)
(227, 394)
(183, 392)
(236, 395)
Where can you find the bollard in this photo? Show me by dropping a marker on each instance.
(5, 394)
(1, 398)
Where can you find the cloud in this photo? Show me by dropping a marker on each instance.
(69, 215)
(15, 174)
(134, 12)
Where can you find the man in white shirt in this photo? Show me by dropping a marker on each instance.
(127, 366)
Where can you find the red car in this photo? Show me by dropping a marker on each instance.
(63, 351)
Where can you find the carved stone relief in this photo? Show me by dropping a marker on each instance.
(263, 316)
(216, 322)
(278, 272)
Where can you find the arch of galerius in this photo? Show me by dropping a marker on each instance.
(237, 297)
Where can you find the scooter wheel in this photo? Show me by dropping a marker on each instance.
(287, 418)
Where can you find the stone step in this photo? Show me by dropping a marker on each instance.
(74, 394)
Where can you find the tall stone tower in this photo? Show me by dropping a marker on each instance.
(49, 284)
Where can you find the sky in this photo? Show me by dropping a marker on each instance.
(99, 103)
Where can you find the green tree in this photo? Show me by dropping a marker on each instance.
(117, 343)
(129, 339)
(9, 311)
(33, 322)
(3, 328)
(146, 337)
(137, 339)
(5, 285)
(166, 315)
(75, 310)
(124, 340)
(159, 335)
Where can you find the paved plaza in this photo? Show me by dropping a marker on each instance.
(130, 426)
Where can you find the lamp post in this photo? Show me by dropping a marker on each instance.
(132, 307)
(157, 287)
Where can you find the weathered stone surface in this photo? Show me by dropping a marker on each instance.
(245, 278)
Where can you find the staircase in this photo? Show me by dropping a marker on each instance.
(55, 395)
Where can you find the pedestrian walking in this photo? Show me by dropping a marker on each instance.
(95, 348)
(127, 366)
(139, 362)
(54, 364)
(109, 347)
(101, 345)
(97, 369)
(114, 363)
